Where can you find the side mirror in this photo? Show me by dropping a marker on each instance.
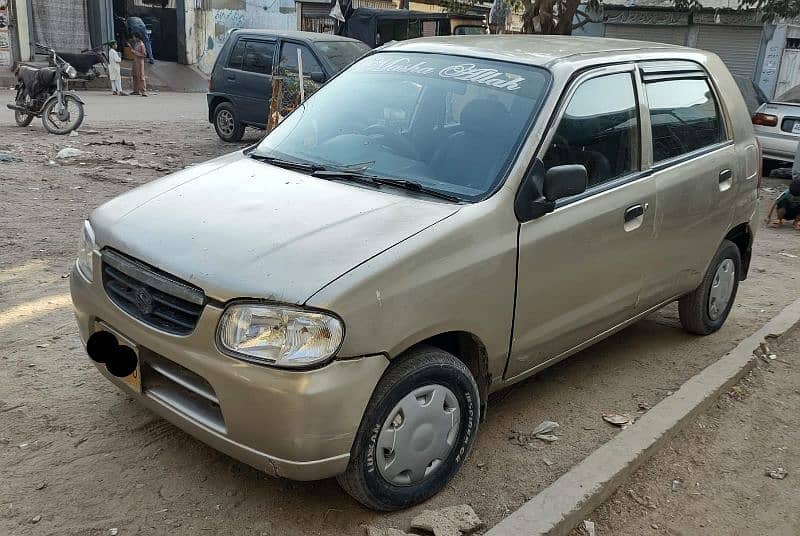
(318, 77)
(565, 181)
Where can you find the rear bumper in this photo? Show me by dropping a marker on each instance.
(778, 146)
(294, 424)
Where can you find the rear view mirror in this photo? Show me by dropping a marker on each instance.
(565, 181)
(318, 77)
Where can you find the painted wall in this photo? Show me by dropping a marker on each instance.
(228, 15)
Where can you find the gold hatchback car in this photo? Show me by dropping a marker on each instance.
(444, 218)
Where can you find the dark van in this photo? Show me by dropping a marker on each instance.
(241, 83)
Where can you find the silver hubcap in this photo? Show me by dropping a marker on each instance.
(225, 122)
(418, 435)
(721, 289)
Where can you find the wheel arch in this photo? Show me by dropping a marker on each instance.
(467, 348)
(742, 236)
(212, 107)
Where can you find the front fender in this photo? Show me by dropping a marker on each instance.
(72, 94)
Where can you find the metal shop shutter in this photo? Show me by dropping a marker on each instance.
(673, 35)
(737, 46)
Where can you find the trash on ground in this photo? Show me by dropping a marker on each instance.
(73, 134)
(789, 255)
(618, 419)
(41, 485)
(676, 485)
(549, 438)
(778, 473)
(450, 521)
(545, 427)
(113, 532)
(69, 152)
(5, 157)
(547, 462)
(35, 519)
(644, 406)
(588, 528)
(112, 142)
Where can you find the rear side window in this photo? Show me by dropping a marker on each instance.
(599, 129)
(685, 117)
(258, 57)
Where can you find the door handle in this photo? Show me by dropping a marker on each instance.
(231, 79)
(725, 175)
(631, 213)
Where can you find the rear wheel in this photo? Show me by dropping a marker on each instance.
(64, 120)
(22, 119)
(227, 124)
(705, 310)
(416, 432)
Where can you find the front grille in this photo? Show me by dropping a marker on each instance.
(150, 295)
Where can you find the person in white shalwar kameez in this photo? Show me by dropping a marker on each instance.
(114, 71)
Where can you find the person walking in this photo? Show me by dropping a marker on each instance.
(114, 71)
(139, 55)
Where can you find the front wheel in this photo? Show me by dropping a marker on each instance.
(418, 428)
(62, 121)
(22, 119)
(704, 311)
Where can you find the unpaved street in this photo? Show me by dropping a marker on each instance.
(80, 454)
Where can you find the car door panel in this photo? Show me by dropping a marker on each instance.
(581, 267)
(255, 81)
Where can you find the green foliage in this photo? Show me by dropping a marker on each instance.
(773, 9)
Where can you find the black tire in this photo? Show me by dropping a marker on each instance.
(74, 121)
(227, 124)
(22, 119)
(694, 308)
(423, 366)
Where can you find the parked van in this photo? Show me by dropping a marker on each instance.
(341, 299)
(240, 88)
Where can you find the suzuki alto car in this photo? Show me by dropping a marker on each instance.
(444, 218)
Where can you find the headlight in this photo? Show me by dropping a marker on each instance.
(85, 250)
(279, 335)
(71, 72)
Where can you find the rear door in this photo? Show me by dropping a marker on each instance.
(248, 78)
(695, 168)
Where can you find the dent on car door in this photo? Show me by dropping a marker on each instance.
(581, 266)
(696, 177)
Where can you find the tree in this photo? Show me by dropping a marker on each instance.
(773, 9)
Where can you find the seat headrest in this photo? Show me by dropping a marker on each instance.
(483, 114)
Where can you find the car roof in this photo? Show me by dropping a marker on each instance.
(538, 50)
(294, 34)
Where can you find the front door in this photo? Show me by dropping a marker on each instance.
(581, 267)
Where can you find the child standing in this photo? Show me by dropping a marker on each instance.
(114, 71)
(786, 206)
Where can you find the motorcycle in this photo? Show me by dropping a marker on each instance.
(42, 93)
(86, 61)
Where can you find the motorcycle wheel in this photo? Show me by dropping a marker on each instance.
(54, 125)
(22, 119)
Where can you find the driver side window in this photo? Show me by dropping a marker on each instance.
(599, 129)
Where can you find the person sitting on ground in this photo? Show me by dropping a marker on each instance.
(114, 71)
(786, 206)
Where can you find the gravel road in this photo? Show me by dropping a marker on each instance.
(80, 454)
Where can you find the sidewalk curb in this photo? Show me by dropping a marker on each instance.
(557, 509)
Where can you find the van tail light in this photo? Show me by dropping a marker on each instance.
(210, 86)
(765, 120)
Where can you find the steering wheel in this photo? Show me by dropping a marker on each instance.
(393, 141)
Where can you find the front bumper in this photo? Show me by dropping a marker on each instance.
(293, 424)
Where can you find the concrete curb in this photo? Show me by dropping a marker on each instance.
(557, 509)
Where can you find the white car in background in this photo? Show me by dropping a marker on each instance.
(777, 126)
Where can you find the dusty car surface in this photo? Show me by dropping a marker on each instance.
(777, 126)
(445, 218)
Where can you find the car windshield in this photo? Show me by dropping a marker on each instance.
(342, 53)
(449, 123)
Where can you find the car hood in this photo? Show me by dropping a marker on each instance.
(238, 228)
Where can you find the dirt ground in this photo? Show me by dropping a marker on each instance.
(720, 464)
(78, 457)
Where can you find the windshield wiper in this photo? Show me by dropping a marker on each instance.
(288, 164)
(373, 179)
